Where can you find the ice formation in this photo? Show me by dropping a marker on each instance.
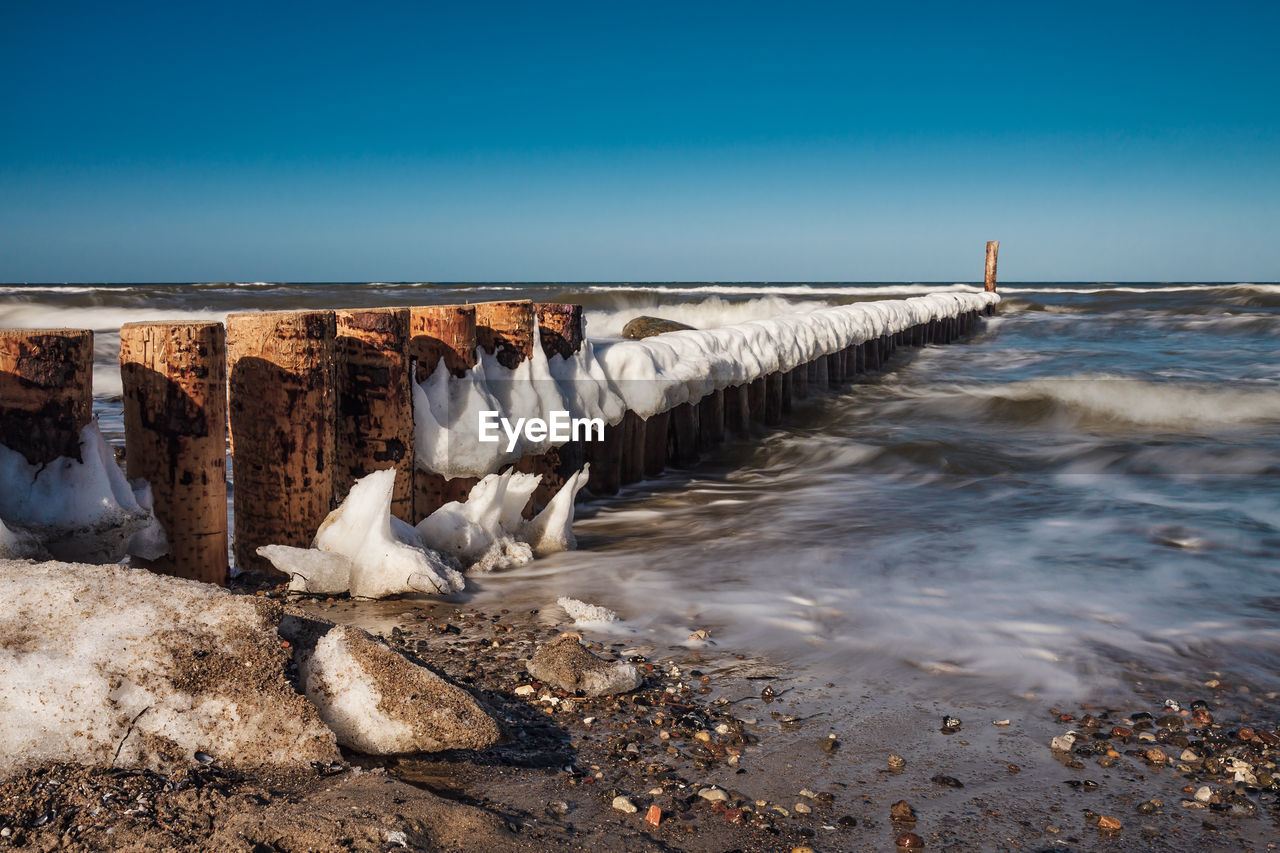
(606, 378)
(363, 549)
(77, 510)
(581, 612)
(111, 665)
(487, 531)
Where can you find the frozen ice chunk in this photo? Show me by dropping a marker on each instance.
(551, 530)
(481, 531)
(309, 570)
(381, 564)
(581, 612)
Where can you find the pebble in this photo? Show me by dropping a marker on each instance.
(624, 804)
(909, 841)
(1203, 793)
(1004, 724)
(803, 808)
(829, 743)
(901, 811)
(1063, 743)
(1189, 755)
(896, 762)
(1110, 824)
(1156, 756)
(398, 838)
(524, 690)
(802, 849)
(950, 722)
(654, 816)
(713, 795)
(947, 781)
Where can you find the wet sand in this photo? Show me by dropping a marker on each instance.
(706, 720)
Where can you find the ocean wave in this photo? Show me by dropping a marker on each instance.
(44, 315)
(765, 288)
(1109, 402)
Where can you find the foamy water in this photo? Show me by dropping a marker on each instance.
(1079, 500)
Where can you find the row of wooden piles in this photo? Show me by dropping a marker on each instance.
(314, 400)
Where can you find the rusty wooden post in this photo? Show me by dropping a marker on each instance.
(655, 443)
(175, 433)
(711, 419)
(634, 440)
(440, 333)
(561, 328)
(505, 330)
(993, 250)
(685, 432)
(374, 404)
(46, 391)
(281, 411)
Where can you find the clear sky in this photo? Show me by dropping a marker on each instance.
(638, 141)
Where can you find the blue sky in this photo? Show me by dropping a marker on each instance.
(620, 141)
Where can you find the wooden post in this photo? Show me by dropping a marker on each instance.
(175, 432)
(773, 399)
(800, 382)
(815, 378)
(375, 407)
(281, 408)
(605, 476)
(711, 419)
(505, 330)
(737, 410)
(561, 331)
(634, 441)
(445, 332)
(685, 431)
(46, 391)
(440, 333)
(655, 444)
(755, 399)
(560, 327)
(993, 249)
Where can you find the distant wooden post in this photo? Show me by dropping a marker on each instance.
(440, 333)
(634, 440)
(737, 410)
(281, 411)
(375, 407)
(605, 476)
(993, 249)
(773, 394)
(755, 399)
(685, 435)
(800, 382)
(46, 391)
(175, 431)
(655, 443)
(711, 419)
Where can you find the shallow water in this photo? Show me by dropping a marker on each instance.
(1080, 500)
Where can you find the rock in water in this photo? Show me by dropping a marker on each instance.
(108, 665)
(376, 700)
(647, 327)
(565, 663)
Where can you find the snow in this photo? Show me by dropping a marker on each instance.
(606, 378)
(112, 665)
(79, 510)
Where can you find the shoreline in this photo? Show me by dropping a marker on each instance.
(697, 724)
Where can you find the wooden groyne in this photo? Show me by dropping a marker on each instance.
(309, 402)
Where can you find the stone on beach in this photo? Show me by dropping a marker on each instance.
(565, 663)
(377, 701)
(647, 327)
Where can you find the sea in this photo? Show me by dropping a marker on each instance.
(1080, 502)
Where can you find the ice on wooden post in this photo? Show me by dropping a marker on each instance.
(561, 332)
(175, 423)
(439, 334)
(64, 493)
(374, 404)
(281, 411)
